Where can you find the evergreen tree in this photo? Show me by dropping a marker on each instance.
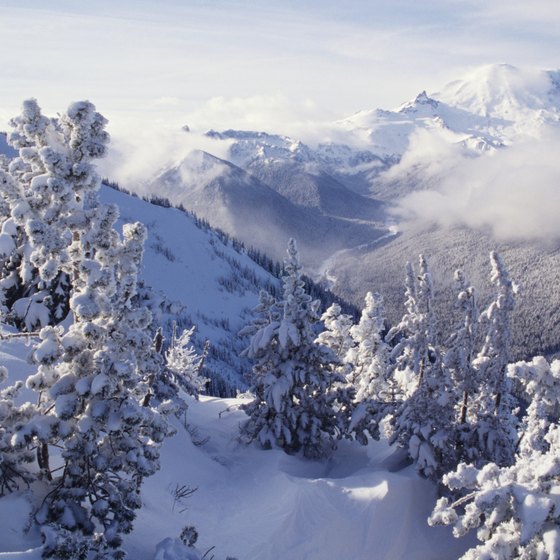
(336, 336)
(424, 423)
(540, 382)
(405, 359)
(93, 380)
(369, 354)
(458, 359)
(184, 363)
(50, 191)
(495, 431)
(513, 509)
(92, 403)
(294, 379)
(15, 472)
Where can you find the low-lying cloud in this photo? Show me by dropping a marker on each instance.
(513, 192)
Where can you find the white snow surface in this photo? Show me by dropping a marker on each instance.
(252, 504)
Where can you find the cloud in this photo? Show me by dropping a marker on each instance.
(276, 113)
(513, 192)
(135, 159)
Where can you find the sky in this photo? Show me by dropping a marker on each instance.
(253, 63)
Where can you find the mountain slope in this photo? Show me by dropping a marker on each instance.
(201, 280)
(241, 204)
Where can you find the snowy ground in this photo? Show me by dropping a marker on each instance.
(264, 505)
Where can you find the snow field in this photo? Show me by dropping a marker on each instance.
(253, 504)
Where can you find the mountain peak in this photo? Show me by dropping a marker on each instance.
(421, 102)
(502, 91)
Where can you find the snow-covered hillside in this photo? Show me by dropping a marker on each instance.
(202, 279)
(252, 504)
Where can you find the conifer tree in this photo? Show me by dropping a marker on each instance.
(184, 363)
(458, 359)
(423, 424)
(513, 509)
(15, 472)
(294, 379)
(369, 355)
(540, 382)
(93, 379)
(336, 334)
(51, 188)
(495, 429)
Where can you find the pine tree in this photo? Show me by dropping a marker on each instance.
(93, 403)
(15, 472)
(93, 379)
(540, 382)
(294, 378)
(424, 423)
(513, 509)
(495, 431)
(336, 334)
(458, 359)
(369, 354)
(50, 190)
(184, 363)
(405, 359)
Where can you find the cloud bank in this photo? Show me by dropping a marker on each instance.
(513, 192)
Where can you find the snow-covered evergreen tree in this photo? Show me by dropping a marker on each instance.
(369, 353)
(183, 362)
(495, 431)
(294, 378)
(458, 359)
(514, 509)
(336, 334)
(93, 402)
(424, 423)
(405, 357)
(15, 472)
(95, 379)
(541, 388)
(47, 201)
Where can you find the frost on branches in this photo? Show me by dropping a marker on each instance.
(424, 423)
(45, 205)
(515, 510)
(369, 353)
(15, 473)
(495, 431)
(184, 363)
(294, 377)
(93, 417)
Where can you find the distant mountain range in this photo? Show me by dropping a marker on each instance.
(337, 197)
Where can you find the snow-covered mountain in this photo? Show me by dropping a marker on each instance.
(200, 278)
(491, 107)
(317, 210)
(336, 197)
